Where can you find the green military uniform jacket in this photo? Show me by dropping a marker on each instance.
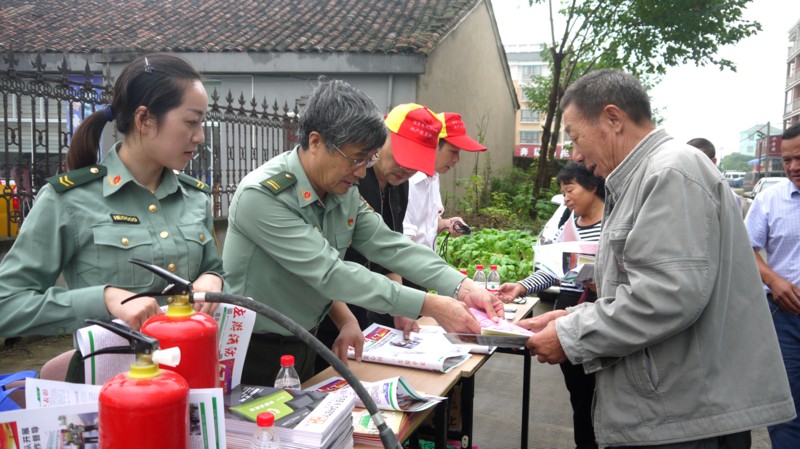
(284, 247)
(86, 224)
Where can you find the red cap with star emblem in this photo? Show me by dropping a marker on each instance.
(415, 136)
(455, 132)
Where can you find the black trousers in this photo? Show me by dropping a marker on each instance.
(580, 386)
(741, 440)
(581, 391)
(264, 358)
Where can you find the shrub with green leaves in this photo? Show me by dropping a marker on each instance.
(511, 251)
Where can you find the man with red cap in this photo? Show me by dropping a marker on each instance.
(423, 220)
(411, 147)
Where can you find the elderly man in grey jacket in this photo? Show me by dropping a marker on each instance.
(680, 338)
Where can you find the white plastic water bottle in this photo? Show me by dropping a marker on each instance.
(493, 281)
(287, 376)
(266, 437)
(479, 277)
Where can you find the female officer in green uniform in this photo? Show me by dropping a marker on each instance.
(88, 222)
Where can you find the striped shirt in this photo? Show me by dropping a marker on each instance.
(773, 223)
(542, 280)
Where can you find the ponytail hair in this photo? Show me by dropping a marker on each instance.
(156, 81)
(85, 140)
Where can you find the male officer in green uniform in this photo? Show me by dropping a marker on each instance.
(292, 219)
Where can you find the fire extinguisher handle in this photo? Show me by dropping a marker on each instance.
(177, 285)
(138, 343)
(141, 295)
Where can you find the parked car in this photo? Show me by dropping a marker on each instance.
(751, 179)
(735, 178)
(550, 230)
(548, 235)
(762, 185)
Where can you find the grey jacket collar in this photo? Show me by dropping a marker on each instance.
(619, 179)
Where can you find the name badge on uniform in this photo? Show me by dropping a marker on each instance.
(129, 219)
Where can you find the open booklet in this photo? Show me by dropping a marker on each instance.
(386, 345)
(235, 327)
(394, 393)
(55, 409)
(567, 261)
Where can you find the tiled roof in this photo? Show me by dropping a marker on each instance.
(303, 26)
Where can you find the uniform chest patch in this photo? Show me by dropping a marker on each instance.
(128, 219)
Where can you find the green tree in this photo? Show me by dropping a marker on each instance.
(735, 162)
(643, 37)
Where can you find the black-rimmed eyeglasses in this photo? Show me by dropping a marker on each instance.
(356, 163)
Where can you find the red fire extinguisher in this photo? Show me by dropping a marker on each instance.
(194, 333)
(147, 406)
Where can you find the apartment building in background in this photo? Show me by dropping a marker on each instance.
(525, 63)
(791, 114)
(749, 139)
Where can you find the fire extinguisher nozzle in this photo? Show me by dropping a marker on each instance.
(169, 356)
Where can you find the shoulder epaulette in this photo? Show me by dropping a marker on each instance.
(366, 203)
(194, 182)
(75, 178)
(280, 182)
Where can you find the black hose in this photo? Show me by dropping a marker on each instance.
(388, 438)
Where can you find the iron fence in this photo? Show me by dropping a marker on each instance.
(42, 108)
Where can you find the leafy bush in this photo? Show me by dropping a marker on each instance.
(545, 208)
(511, 251)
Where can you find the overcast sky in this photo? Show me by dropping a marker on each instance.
(700, 101)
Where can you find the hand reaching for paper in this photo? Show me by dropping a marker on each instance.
(451, 314)
(407, 325)
(510, 291)
(349, 336)
(480, 298)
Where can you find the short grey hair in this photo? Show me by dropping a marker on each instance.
(596, 90)
(343, 115)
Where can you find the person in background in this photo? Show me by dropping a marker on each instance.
(773, 223)
(708, 149)
(583, 195)
(292, 220)
(423, 220)
(385, 189)
(685, 354)
(87, 223)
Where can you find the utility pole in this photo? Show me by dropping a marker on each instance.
(760, 165)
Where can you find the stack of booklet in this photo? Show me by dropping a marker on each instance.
(364, 429)
(303, 419)
(395, 397)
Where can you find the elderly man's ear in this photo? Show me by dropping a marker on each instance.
(614, 115)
